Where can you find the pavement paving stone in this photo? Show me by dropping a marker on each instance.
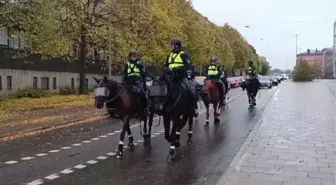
(295, 141)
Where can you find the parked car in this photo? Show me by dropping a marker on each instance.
(274, 81)
(265, 82)
(234, 83)
(200, 80)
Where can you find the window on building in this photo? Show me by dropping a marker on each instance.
(3, 36)
(45, 83)
(34, 82)
(0, 82)
(54, 83)
(9, 82)
(72, 83)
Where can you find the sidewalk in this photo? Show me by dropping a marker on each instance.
(294, 143)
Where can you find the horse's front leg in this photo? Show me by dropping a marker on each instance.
(216, 114)
(130, 138)
(172, 148)
(166, 123)
(126, 120)
(206, 126)
(190, 132)
(147, 135)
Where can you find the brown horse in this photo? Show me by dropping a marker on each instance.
(124, 100)
(210, 94)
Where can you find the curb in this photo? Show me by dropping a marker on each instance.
(225, 177)
(332, 97)
(41, 128)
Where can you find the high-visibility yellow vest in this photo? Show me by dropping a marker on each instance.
(132, 70)
(212, 70)
(175, 60)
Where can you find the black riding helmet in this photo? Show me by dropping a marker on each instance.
(133, 53)
(250, 62)
(176, 42)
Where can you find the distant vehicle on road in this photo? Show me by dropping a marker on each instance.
(265, 82)
(274, 80)
(234, 83)
(284, 76)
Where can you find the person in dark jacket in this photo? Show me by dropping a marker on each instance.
(178, 60)
(134, 74)
(213, 72)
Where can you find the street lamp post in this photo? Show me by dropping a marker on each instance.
(296, 47)
(334, 50)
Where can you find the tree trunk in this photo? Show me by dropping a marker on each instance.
(82, 62)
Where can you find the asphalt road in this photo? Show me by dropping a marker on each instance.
(85, 154)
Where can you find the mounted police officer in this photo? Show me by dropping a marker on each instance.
(178, 60)
(134, 74)
(252, 70)
(214, 72)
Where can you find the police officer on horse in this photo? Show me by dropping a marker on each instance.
(178, 60)
(214, 72)
(134, 75)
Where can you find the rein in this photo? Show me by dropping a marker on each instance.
(116, 96)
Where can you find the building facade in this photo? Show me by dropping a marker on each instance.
(313, 58)
(328, 62)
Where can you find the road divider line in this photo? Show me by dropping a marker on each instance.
(52, 176)
(36, 182)
(81, 166)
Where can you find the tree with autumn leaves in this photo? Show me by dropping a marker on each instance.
(49, 27)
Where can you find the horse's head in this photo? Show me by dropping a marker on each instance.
(104, 91)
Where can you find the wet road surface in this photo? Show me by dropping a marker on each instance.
(85, 154)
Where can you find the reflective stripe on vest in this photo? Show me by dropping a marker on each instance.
(212, 71)
(132, 70)
(175, 60)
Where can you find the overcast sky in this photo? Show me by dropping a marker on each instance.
(276, 22)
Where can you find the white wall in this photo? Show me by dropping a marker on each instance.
(24, 78)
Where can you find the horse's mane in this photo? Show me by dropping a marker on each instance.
(114, 83)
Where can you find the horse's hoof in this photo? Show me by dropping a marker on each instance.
(170, 158)
(131, 146)
(217, 120)
(177, 144)
(147, 142)
(206, 127)
(119, 155)
(189, 142)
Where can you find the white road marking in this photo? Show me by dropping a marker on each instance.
(80, 166)
(27, 158)
(118, 131)
(110, 134)
(91, 162)
(102, 157)
(54, 151)
(36, 182)
(76, 144)
(111, 154)
(41, 154)
(11, 162)
(116, 150)
(140, 141)
(66, 147)
(52, 176)
(157, 133)
(67, 171)
(135, 143)
(95, 138)
(86, 141)
(103, 136)
(161, 131)
(153, 136)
